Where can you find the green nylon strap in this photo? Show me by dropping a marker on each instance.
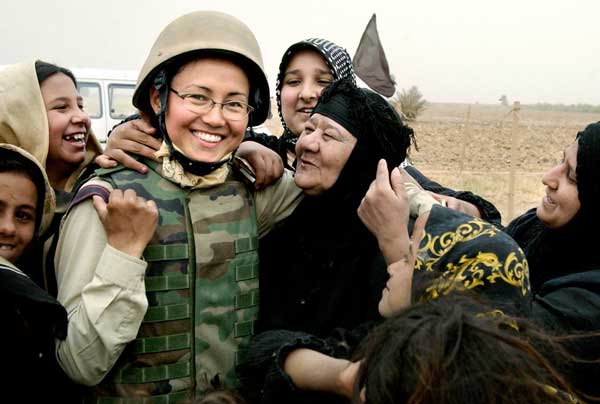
(240, 356)
(166, 313)
(246, 272)
(103, 172)
(167, 282)
(154, 373)
(245, 300)
(243, 328)
(166, 252)
(246, 244)
(170, 398)
(163, 343)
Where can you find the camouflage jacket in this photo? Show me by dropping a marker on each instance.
(201, 285)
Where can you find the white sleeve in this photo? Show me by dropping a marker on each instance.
(103, 292)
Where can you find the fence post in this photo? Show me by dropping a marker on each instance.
(513, 159)
(465, 142)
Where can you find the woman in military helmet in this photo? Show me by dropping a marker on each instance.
(176, 328)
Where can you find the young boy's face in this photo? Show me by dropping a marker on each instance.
(18, 197)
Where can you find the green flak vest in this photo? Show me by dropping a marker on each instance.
(202, 289)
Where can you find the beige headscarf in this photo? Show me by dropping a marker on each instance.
(49, 198)
(23, 118)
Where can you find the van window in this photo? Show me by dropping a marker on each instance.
(92, 98)
(120, 96)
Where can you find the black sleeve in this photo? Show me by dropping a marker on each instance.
(261, 374)
(270, 141)
(488, 211)
(570, 305)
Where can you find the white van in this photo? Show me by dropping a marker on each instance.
(106, 96)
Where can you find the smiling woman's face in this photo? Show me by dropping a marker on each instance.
(305, 77)
(209, 136)
(322, 151)
(561, 202)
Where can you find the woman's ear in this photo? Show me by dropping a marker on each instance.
(155, 100)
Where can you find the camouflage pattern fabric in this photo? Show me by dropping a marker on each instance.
(202, 288)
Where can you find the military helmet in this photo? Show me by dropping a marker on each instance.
(211, 33)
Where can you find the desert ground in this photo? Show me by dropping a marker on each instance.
(469, 147)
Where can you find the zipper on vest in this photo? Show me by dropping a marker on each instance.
(192, 274)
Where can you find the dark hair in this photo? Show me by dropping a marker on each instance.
(43, 70)
(453, 350)
(14, 162)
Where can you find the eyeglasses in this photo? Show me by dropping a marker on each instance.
(201, 104)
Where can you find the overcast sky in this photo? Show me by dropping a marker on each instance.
(453, 50)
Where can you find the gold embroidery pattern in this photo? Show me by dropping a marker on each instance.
(469, 272)
(514, 272)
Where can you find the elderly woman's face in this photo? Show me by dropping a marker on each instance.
(561, 202)
(322, 151)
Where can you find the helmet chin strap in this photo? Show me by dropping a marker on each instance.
(199, 168)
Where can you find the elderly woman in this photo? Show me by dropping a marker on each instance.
(330, 258)
(335, 267)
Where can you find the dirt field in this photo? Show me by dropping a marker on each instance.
(472, 151)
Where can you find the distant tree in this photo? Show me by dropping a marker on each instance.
(503, 100)
(544, 106)
(411, 103)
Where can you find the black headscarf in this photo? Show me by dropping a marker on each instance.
(338, 60)
(379, 131)
(324, 255)
(588, 171)
(570, 249)
(462, 253)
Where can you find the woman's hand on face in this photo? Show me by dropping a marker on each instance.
(267, 165)
(385, 210)
(129, 220)
(136, 137)
(457, 204)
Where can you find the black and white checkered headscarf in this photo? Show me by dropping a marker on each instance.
(337, 59)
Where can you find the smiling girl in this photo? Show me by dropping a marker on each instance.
(43, 113)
